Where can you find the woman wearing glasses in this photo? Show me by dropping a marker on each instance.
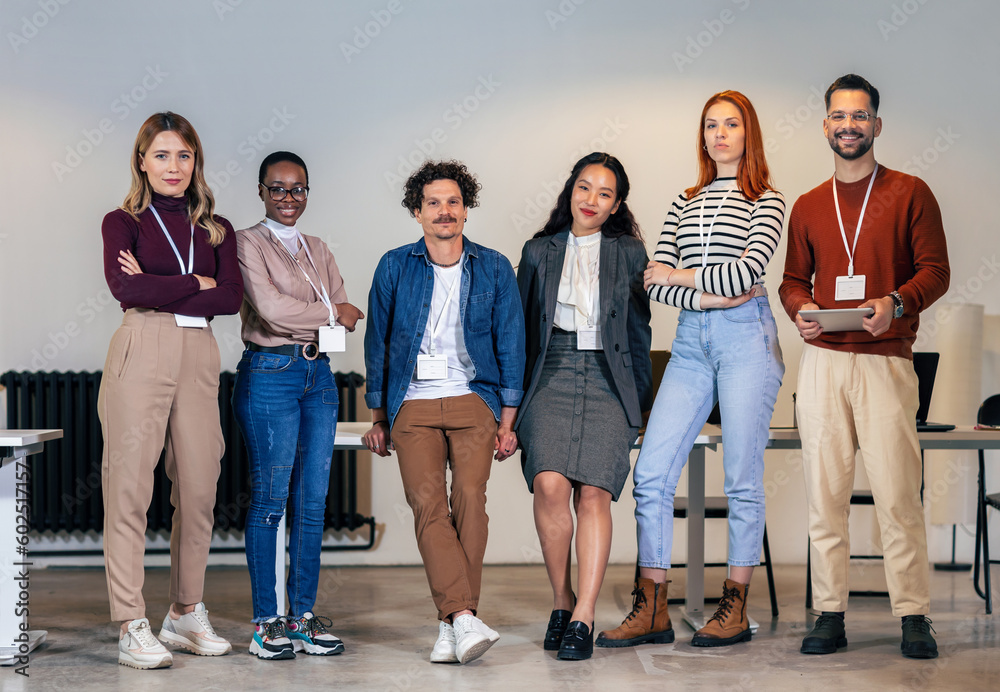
(172, 264)
(718, 238)
(286, 402)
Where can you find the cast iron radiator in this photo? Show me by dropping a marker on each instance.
(66, 476)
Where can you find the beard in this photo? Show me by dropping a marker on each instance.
(860, 147)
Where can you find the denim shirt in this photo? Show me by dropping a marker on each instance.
(492, 325)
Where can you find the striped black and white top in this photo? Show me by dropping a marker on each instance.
(741, 225)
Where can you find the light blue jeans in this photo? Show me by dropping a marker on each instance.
(729, 356)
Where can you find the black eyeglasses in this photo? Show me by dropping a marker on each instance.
(299, 194)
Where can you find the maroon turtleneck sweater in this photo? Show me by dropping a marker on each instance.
(161, 286)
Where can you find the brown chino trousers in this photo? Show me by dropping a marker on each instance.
(430, 436)
(160, 388)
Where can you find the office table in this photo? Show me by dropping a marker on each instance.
(693, 612)
(15, 559)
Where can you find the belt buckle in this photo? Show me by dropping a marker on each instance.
(306, 351)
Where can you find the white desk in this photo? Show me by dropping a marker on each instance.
(15, 447)
(693, 611)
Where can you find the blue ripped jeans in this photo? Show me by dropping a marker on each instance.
(286, 407)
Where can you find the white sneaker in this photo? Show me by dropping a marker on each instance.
(138, 648)
(444, 647)
(193, 631)
(472, 638)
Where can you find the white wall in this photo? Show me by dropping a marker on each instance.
(518, 90)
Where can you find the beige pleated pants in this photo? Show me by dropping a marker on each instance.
(850, 401)
(160, 387)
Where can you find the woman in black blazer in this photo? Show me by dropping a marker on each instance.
(587, 382)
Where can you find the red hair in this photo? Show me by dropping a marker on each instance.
(752, 175)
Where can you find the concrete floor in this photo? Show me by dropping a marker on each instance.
(386, 619)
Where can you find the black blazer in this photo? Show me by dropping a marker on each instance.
(625, 315)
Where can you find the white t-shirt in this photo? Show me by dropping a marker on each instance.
(449, 340)
(579, 300)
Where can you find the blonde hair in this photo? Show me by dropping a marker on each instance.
(200, 201)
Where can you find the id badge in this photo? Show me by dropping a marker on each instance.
(188, 321)
(589, 339)
(850, 287)
(432, 367)
(333, 339)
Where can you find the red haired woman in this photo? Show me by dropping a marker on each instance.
(710, 259)
(173, 266)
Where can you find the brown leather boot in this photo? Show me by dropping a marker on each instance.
(729, 625)
(649, 621)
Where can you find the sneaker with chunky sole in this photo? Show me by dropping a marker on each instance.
(473, 638)
(918, 642)
(308, 633)
(139, 648)
(193, 631)
(270, 641)
(444, 647)
(826, 636)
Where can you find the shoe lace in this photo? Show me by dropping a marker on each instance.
(317, 624)
(921, 625)
(725, 604)
(144, 635)
(202, 617)
(274, 629)
(638, 600)
(827, 622)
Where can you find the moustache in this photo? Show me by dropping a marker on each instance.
(445, 219)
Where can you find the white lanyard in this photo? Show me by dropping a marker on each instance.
(589, 299)
(322, 294)
(701, 225)
(440, 320)
(173, 245)
(857, 231)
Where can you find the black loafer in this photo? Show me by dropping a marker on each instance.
(557, 625)
(577, 642)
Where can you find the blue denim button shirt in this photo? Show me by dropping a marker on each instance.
(492, 324)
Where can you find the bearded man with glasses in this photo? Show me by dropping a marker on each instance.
(869, 237)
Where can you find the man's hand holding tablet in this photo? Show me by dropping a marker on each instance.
(811, 321)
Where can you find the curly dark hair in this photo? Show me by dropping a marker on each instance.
(413, 190)
(618, 224)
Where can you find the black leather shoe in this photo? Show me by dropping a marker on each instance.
(918, 642)
(826, 636)
(577, 642)
(557, 625)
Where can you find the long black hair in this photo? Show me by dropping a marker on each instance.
(618, 224)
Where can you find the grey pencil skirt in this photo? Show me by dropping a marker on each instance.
(575, 423)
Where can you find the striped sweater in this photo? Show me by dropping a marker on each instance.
(741, 225)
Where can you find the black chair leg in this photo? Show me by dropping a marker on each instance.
(986, 534)
(809, 576)
(770, 576)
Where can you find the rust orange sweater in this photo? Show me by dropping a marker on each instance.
(902, 248)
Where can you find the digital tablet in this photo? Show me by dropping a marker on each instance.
(846, 320)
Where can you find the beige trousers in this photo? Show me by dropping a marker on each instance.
(850, 401)
(431, 436)
(159, 389)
